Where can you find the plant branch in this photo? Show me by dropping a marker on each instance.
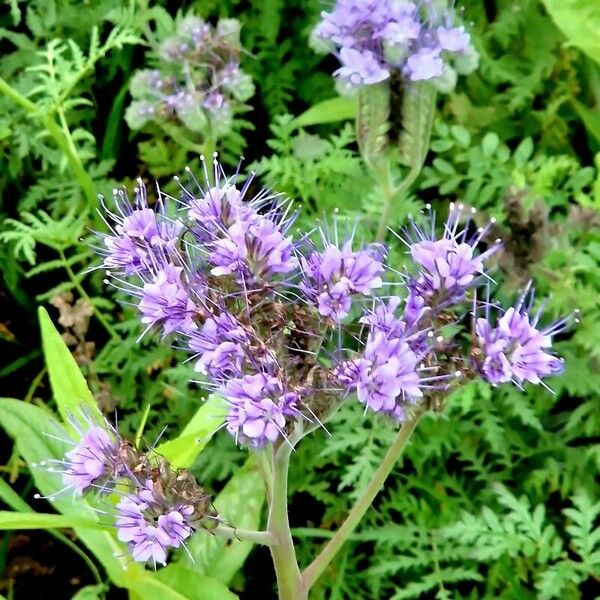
(81, 175)
(263, 538)
(390, 193)
(289, 579)
(316, 568)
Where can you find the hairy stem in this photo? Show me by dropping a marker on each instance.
(289, 579)
(263, 538)
(81, 175)
(316, 568)
(391, 194)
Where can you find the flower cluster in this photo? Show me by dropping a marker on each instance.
(159, 509)
(199, 83)
(283, 329)
(374, 39)
(515, 349)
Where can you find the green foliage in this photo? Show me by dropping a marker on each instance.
(495, 496)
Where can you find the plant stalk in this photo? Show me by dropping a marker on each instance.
(289, 579)
(263, 538)
(318, 566)
(81, 175)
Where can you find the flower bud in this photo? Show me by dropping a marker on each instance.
(139, 113)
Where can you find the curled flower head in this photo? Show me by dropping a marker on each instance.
(448, 265)
(259, 408)
(165, 301)
(161, 512)
(515, 349)
(333, 276)
(151, 526)
(142, 239)
(375, 39)
(199, 82)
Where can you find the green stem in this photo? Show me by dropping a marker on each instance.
(289, 579)
(263, 538)
(81, 175)
(391, 193)
(318, 566)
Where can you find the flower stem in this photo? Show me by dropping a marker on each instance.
(73, 160)
(263, 538)
(289, 579)
(318, 566)
(391, 193)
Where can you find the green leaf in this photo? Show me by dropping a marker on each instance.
(183, 450)
(189, 584)
(26, 424)
(11, 498)
(579, 20)
(68, 384)
(328, 111)
(240, 504)
(90, 592)
(29, 520)
(590, 118)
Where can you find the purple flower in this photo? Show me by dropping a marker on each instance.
(515, 350)
(375, 38)
(220, 345)
(142, 239)
(150, 526)
(332, 276)
(94, 460)
(360, 68)
(166, 302)
(453, 39)
(259, 250)
(385, 377)
(425, 64)
(258, 408)
(449, 265)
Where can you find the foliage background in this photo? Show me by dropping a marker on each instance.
(497, 497)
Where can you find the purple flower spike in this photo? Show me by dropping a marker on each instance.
(93, 462)
(450, 264)
(165, 302)
(220, 346)
(376, 39)
(334, 275)
(515, 350)
(259, 405)
(142, 240)
(150, 526)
